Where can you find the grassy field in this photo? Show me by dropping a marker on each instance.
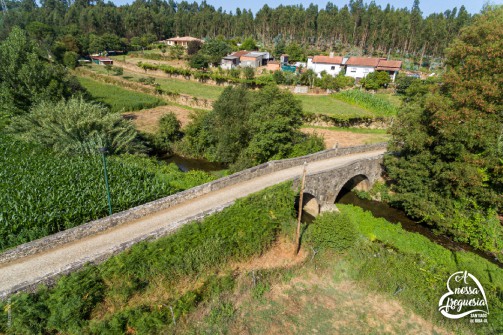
(117, 98)
(326, 104)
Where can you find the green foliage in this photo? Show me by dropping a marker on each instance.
(26, 78)
(376, 80)
(70, 59)
(76, 127)
(333, 231)
(247, 128)
(45, 194)
(72, 300)
(193, 47)
(248, 44)
(449, 171)
(248, 72)
(168, 132)
(117, 98)
(199, 61)
(376, 104)
(243, 230)
(214, 50)
(336, 83)
(415, 269)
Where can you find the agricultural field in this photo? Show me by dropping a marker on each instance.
(380, 105)
(329, 105)
(43, 193)
(189, 87)
(117, 98)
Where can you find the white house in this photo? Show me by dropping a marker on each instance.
(182, 41)
(360, 67)
(331, 64)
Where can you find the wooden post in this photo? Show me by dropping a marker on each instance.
(297, 239)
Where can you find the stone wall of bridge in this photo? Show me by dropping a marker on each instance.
(141, 211)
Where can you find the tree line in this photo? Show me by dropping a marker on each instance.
(366, 26)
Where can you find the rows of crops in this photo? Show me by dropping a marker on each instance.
(117, 98)
(42, 193)
(376, 104)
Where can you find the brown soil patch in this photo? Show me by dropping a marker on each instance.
(147, 120)
(280, 255)
(344, 138)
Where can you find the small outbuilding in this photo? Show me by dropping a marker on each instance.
(101, 60)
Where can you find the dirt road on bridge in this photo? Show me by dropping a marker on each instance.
(30, 270)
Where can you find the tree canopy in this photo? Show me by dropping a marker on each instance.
(449, 140)
(368, 26)
(246, 128)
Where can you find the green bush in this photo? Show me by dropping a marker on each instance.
(333, 231)
(72, 300)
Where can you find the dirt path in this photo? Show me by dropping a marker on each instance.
(31, 270)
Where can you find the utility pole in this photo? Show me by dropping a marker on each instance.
(297, 239)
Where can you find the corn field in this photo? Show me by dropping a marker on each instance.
(378, 105)
(41, 194)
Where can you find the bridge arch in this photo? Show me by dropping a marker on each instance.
(360, 182)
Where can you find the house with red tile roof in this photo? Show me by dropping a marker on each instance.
(390, 66)
(360, 67)
(330, 64)
(182, 41)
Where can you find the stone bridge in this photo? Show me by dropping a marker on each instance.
(322, 189)
(26, 266)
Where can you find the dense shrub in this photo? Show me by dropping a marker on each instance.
(77, 127)
(333, 231)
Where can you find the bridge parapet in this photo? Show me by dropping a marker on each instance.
(141, 211)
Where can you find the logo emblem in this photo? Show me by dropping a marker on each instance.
(465, 296)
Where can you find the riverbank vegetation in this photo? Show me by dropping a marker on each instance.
(246, 128)
(201, 279)
(448, 140)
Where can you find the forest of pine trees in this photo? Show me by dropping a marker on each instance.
(366, 26)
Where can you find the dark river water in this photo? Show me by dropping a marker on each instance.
(393, 215)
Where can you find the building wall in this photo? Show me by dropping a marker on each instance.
(358, 71)
(332, 69)
(250, 61)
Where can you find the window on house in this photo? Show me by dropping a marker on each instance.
(332, 68)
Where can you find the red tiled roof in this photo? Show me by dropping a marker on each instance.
(184, 39)
(327, 59)
(239, 53)
(389, 65)
(363, 61)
